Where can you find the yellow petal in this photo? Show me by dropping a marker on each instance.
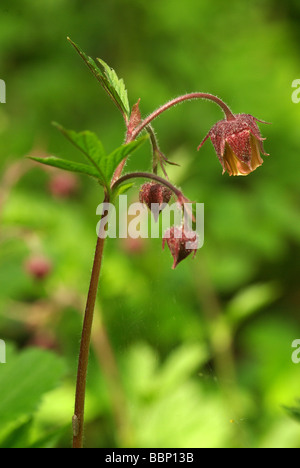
(256, 159)
(233, 165)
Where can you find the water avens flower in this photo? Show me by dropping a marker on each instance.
(238, 144)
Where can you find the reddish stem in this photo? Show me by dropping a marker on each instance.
(132, 135)
(186, 97)
(149, 175)
(78, 418)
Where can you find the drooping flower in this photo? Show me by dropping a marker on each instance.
(180, 242)
(154, 195)
(238, 144)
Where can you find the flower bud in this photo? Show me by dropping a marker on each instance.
(238, 144)
(153, 193)
(181, 243)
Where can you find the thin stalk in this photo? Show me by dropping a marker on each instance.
(78, 418)
(145, 123)
(119, 170)
(186, 97)
(149, 175)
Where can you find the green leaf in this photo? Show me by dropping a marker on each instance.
(68, 166)
(88, 143)
(51, 439)
(123, 188)
(251, 300)
(115, 84)
(18, 437)
(109, 80)
(182, 363)
(294, 412)
(24, 379)
(114, 158)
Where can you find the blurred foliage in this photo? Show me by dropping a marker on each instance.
(199, 357)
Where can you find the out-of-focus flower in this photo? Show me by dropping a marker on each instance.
(238, 144)
(38, 267)
(42, 339)
(180, 242)
(152, 193)
(63, 185)
(133, 246)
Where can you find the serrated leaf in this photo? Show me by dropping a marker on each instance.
(109, 80)
(24, 379)
(70, 166)
(114, 158)
(92, 148)
(115, 84)
(87, 142)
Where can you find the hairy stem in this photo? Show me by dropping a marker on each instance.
(78, 418)
(146, 122)
(149, 175)
(186, 97)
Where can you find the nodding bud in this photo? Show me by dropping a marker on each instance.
(155, 195)
(180, 242)
(238, 144)
(38, 267)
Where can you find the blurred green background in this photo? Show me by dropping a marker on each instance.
(196, 357)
